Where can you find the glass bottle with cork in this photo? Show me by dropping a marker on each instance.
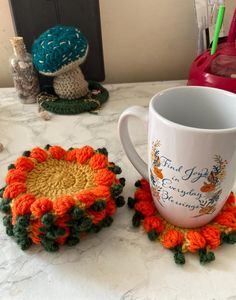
(24, 75)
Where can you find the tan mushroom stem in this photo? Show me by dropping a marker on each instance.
(71, 84)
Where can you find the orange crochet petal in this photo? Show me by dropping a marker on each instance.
(41, 206)
(39, 154)
(172, 238)
(70, 155)
(62, 204)
(196, 241)
(104, 177)
(98, 161)
(15, 175)
(97, 216)
(83, 154)
(110, 208)
(61, 240)
(57, 152)
(21, 206)
(24, 163)
(146, 208)
(86, 197)
(145, 185)
(231, 198)
(226, 219)
(14, 189)
(62, 222)
(212, 236)
(153, 222)
(35, 231)
(143, 195)
(231, 209)
(101, 192)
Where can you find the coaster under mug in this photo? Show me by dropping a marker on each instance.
(202, 240)
(191, 151)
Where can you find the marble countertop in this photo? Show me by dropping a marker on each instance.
(119, 262)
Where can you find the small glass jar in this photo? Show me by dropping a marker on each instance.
(24, 75)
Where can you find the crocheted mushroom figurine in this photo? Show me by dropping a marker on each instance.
(59, 52)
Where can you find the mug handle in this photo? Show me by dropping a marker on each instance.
(141, 114)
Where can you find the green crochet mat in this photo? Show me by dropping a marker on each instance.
(49, 101)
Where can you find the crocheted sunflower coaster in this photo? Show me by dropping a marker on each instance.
(49, 101)
(181, 240)
(54, 197)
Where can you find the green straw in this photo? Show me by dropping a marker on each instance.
(219, 22)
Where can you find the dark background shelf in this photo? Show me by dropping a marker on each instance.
(32, 17)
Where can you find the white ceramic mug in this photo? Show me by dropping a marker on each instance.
(192, 151)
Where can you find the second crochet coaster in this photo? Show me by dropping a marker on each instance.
(54, 197)
(49, 101)
(203, 240)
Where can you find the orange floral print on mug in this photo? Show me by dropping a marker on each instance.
(158, 172)
(208, 187)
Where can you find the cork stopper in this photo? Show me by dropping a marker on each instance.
(18, 45)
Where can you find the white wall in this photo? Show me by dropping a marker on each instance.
(142, 39)
(6, 31)
(147, 39)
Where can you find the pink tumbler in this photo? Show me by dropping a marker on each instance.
(217, 70)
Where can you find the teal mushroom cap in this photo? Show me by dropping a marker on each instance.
(58, 49)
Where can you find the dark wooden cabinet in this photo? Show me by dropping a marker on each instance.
(32, 17)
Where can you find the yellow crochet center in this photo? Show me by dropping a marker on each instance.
(54, 178)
